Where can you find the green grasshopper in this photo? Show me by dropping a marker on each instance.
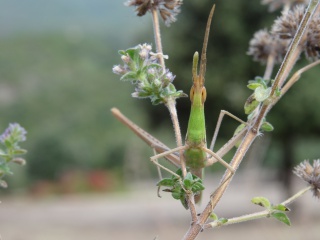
(196, 154)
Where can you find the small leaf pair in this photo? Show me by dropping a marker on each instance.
(261, 93)
(179, 187)
(277, 211)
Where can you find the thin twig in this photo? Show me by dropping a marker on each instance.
(192, 208)
(294, 78)
(269, 67)
(257, 215)
(157, 37)
(294, 197)
(171, 105)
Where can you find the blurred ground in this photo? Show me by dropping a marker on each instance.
(140, 214)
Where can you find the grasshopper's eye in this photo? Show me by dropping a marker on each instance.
(191, 93)
(203, 94)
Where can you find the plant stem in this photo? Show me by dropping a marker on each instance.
(257, 215)
(269, 67)
(157, 37)
(297, 195)
(240, 219)
(294, 78)
(171, 105)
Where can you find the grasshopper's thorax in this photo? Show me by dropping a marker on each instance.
(196, 134)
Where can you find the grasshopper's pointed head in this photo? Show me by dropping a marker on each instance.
(196, 133)
(198, 91)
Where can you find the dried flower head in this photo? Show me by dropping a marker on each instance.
(263, 44)
(313, 44)
(287, 25)
(276, 4)
(168, 9)
(310, 174)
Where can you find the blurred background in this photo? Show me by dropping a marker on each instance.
(89, 176)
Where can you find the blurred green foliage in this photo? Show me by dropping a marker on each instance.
(61, 91)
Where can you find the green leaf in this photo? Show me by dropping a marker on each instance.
(261, 93)
(4, 169)
(213, 216)
(152, 65)
(129, 76)
(166, 182)
(197, 186)
(266, 126)
(223, 220)
(250, 105)
(3, 154)
(187, 183)
(179, 94)
(281, 207)
(178, 172)
(238, 129)
(176, 195)
(132, 52)
(189, 176)
(261, 201)
(122, 52)
(184, 203)
(253, 85)
(8, 143)
(282, 217)
(19, 151)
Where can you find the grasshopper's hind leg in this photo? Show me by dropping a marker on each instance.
(221, 115)
(216, 158)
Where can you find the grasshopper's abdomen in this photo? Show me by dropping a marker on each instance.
(195, 158)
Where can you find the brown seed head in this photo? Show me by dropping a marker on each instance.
(310, 174)
(287, 25)
(276, 4)
(313, 44)
(168, 9)
(263, 44)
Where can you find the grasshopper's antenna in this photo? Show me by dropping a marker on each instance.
(205, 44)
